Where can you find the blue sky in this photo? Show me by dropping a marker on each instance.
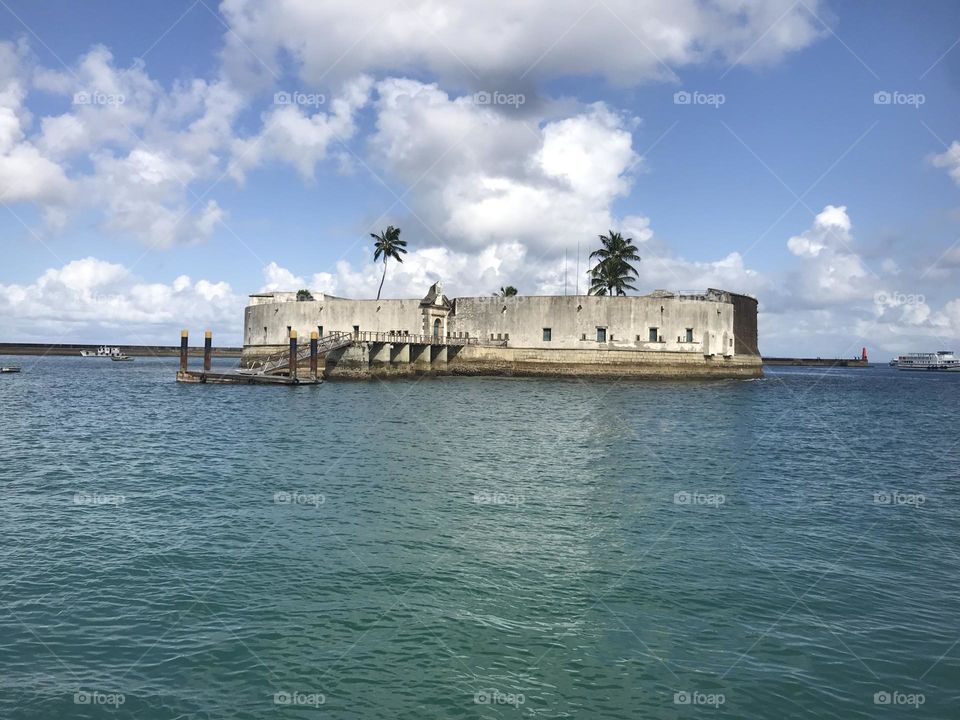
(792, 183)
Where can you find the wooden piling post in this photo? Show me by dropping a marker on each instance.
(293, 354)
(207, 350)
(314, 336)
(184, 349)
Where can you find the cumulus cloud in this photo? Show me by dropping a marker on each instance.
(25, 174)
(90, 299)
(831, 303)
(125, 147)
(484, 177)
(830, 271)
(507, 41)
(949, 159)
(293, 135)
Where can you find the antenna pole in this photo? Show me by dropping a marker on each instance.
(578, 267)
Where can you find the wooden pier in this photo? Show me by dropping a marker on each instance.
(263, 376)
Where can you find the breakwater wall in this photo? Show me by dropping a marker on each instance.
(817, 362)
(65, 349)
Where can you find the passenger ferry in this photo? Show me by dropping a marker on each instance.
(102, 352)
(942, 360)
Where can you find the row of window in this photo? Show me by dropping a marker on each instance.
(654, 335)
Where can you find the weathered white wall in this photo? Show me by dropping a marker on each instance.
(266, 323)
(570, 318)
(521, 319)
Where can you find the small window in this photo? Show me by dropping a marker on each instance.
(506, 336)
(499, 336)
(731, 342)
(689, 334)
(583, 336)
(547, 334)
(356, 330)
(319, 330)
(601, 334)
(653, 334)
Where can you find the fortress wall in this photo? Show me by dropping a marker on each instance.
(717, 350)
(266, 323)
(745, 324)
(573, 321)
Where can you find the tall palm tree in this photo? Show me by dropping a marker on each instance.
(613, 272)
(611, 277)
(389, 245)
(508, 291)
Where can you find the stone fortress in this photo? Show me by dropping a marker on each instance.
(663, 334)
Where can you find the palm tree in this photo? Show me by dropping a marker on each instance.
(613, 272)
(508, 291)
(611, 277)
(388, 244)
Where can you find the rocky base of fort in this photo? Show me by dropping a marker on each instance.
(372, 360)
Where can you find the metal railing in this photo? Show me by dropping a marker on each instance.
(387, 337)
(281, 360)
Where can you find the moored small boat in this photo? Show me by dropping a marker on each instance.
(103, 351)
(10, 369)
(121, 358)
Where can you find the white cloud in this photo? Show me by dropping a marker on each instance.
(277, 278)
(92, 299)
(830, 271)
(25, 174)
(144, 195)
(626, 41)
(482, 177)
(949, 159)
(293, 135)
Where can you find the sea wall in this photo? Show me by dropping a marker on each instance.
(366, 360)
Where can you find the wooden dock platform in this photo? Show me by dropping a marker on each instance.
(238, 378)
(283, 372)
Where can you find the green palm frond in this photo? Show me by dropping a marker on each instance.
(388, 245)
(613, 273)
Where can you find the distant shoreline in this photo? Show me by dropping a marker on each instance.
(64, 349)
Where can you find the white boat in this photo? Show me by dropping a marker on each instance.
(101, 352)
(940, 361)
(121, 358)
(9, 369)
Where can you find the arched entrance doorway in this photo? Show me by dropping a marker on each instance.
(436, 328)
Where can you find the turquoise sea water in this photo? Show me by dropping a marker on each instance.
(478, 548)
